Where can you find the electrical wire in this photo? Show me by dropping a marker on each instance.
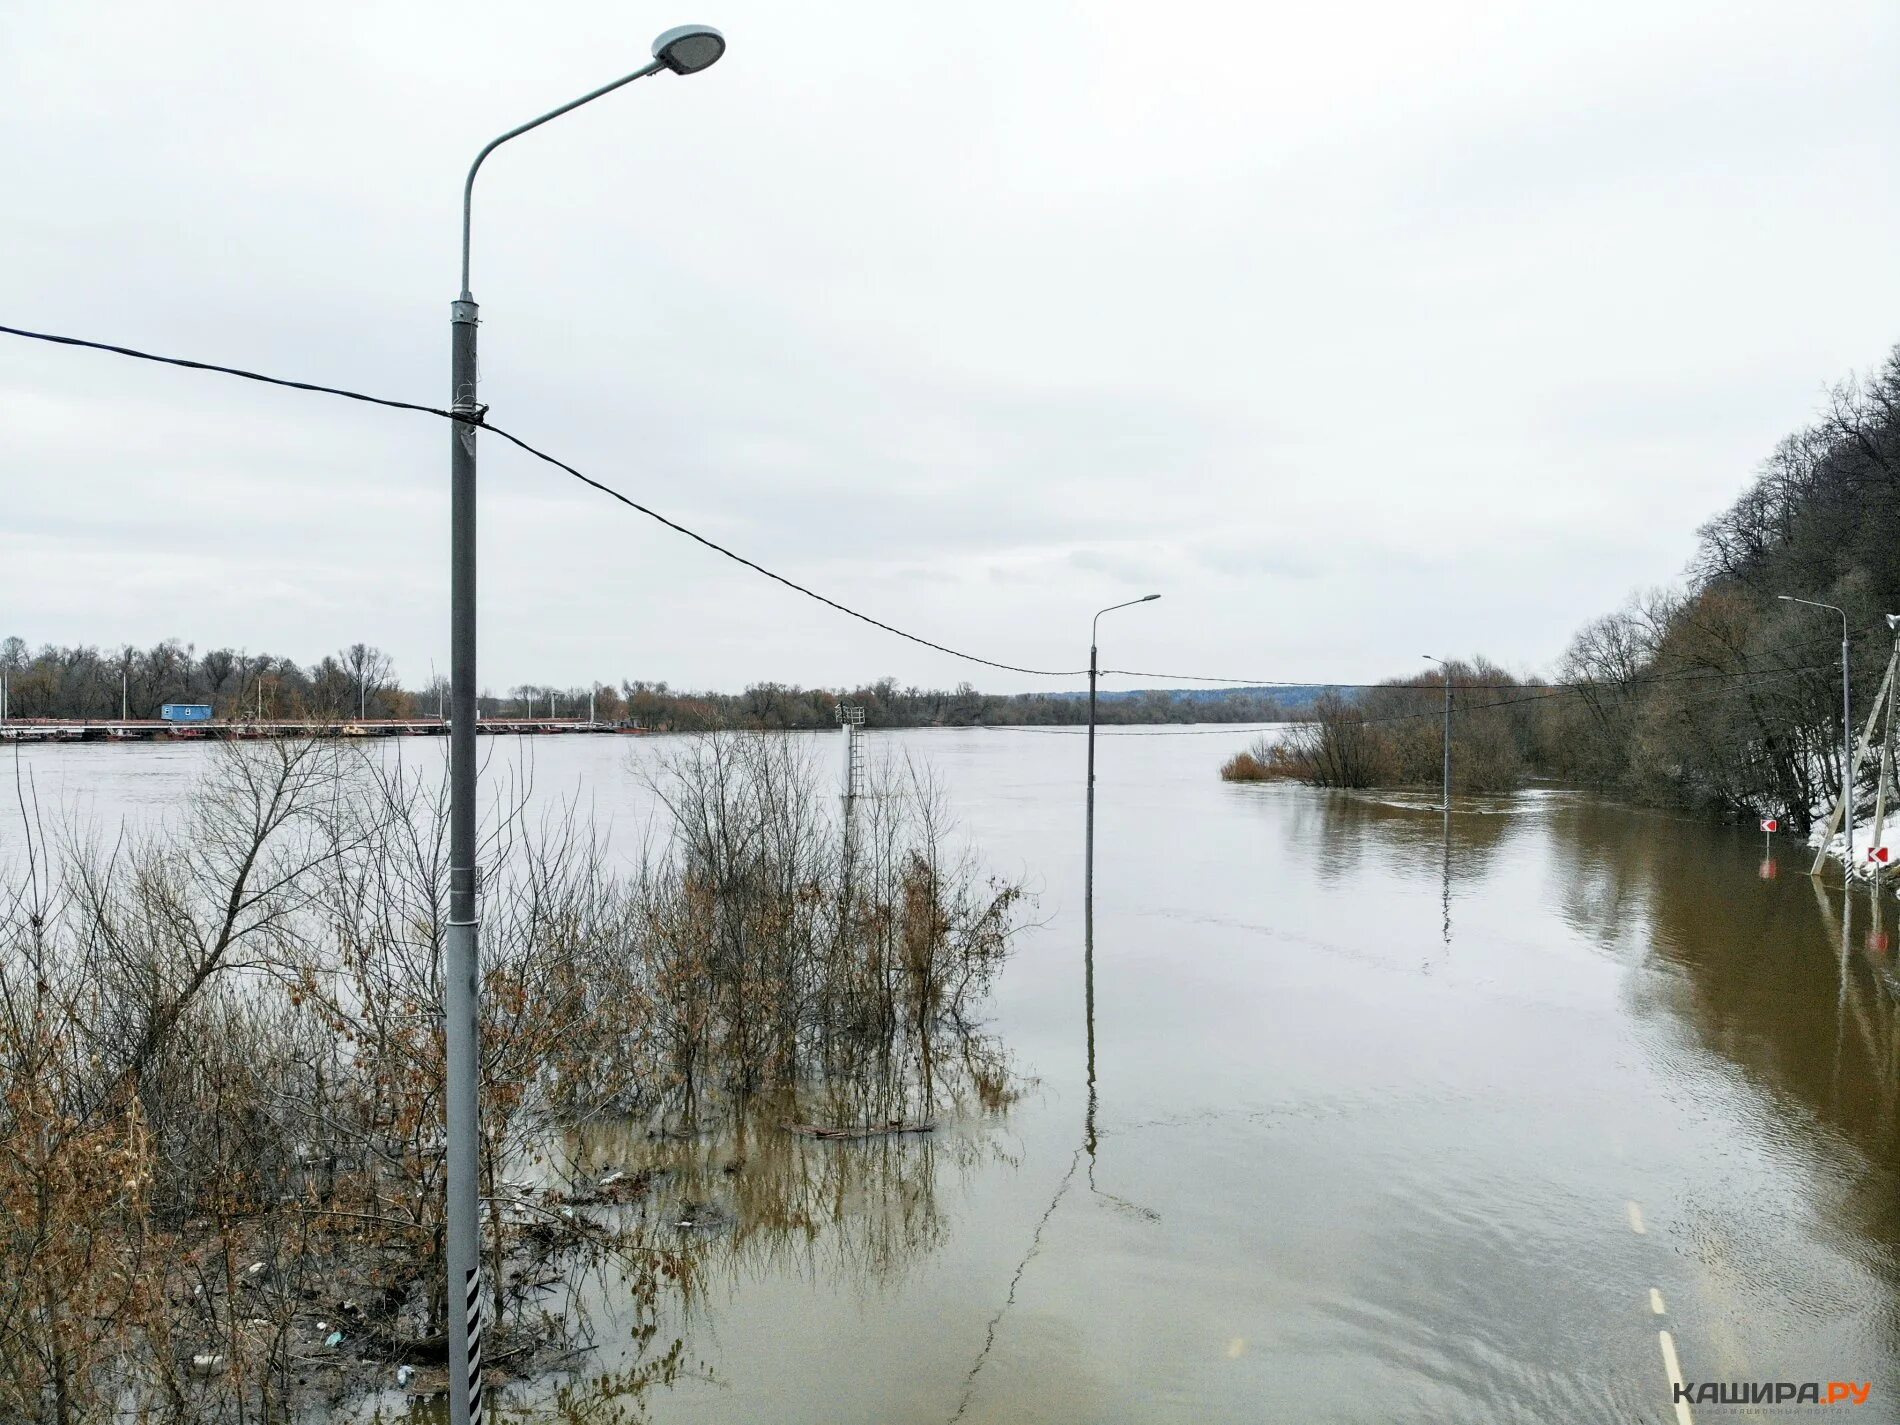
(792, 584)
(1541, 693)
(238, 371)
(1146, 732)
(717, 548)
(562, 465)
(1555, 693)
(1582, 683)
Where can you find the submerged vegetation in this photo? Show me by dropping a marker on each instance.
(1393, 735)
(220, 1057)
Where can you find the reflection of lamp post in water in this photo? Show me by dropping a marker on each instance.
(1088, 1003)
(1445, 877)
(1840, 1005)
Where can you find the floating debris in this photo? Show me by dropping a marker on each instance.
(702, 1217)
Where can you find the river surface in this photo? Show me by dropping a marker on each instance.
(1391, 1120)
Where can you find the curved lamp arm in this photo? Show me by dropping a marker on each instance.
(1096, 621)
(468, 186)
(1791, 599)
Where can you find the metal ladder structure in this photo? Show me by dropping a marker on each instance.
(851, 780)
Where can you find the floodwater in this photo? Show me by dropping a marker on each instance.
(1387, 1119)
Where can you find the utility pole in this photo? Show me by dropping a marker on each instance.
(684, 49)
(1448, 742)
(125, 701)
(1447, 667)
(1847, 730)
(1841, 804)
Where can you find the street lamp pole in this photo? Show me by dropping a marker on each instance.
(1088, 855)
(684, 50)
(1847, 734)
(1447, 667)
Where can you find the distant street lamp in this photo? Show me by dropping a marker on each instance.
(686, 49)
(1088, 862)
(1847, 733)
(1447, 667)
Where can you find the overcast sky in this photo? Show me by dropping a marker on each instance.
(1356, 331)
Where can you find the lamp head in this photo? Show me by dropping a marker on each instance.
(1149, 598)
(687, 49)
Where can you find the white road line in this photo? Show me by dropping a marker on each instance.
(1655, 1301)
(1674, 1367)
(1635, 1216)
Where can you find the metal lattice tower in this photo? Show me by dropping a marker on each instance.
(851, 721)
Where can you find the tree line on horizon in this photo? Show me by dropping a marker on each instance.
(85, 683)
(1714, 695)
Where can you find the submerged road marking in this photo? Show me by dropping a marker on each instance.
(1674, 1367)
(1635, 1214)
(1655, 1301)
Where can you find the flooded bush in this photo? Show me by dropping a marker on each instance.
(1266, 761)
(1338, 749)
(221, 1153)
(1393, 736)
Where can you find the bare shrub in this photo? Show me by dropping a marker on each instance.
(1267, 761)
(221, 1054)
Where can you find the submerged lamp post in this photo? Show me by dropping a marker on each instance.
(1847, 735)
(686, 49)
(1447, 667)
(1088, 855)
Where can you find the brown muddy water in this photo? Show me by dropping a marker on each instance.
(1389, 1121)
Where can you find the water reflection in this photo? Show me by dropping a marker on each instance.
(752, 1192)
(1445, 876)
(1347, 834)
(1763, 973)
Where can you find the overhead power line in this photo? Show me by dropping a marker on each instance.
(351, 395)
(237, 371)
(1539, 693)
(717, 548)
(1223, 731)
(562, 465)
(1582, 684)
(1544, 693)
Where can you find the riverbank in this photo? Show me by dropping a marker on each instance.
(32, 730)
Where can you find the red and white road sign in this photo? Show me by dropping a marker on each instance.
(1768, 823)
(1880, 855)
